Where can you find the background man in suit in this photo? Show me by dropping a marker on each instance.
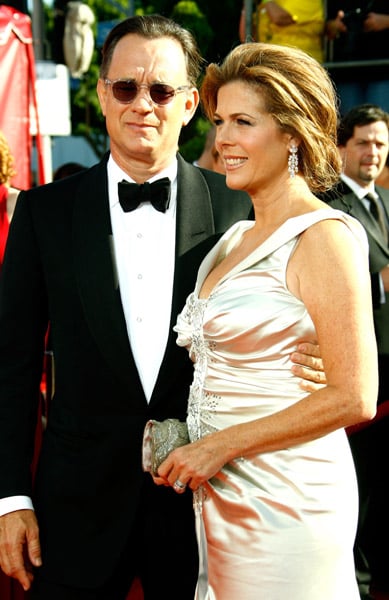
(363, 144)
(110, 281)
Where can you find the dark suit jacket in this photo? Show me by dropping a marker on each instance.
(343, 198)
(59, 267)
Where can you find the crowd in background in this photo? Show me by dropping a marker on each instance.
(333, 34)
(349, 38)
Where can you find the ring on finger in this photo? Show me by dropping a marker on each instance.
(178, 485)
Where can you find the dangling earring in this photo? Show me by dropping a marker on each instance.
(293, 161)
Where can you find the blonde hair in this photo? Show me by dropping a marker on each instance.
(7, 170)
(299, 95)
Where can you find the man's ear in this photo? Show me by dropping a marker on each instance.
(343, 155)
(191, 104)
(101, 90)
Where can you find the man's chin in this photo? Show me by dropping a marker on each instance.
(369, 175)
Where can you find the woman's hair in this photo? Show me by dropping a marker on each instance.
(297, 92)
(7, 170)
(153, 27)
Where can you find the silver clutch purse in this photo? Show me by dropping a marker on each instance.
(159, 439)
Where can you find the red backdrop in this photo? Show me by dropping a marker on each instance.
(17, 95)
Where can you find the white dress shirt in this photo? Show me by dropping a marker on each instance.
(144, 244)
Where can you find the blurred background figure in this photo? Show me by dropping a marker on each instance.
(67, 169)
(359, 35)
(290, 23)
(210, 157)
(10, 589)
(8, 194)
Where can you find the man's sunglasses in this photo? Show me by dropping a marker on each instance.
(126, 90)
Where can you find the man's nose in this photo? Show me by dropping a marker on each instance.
(143, 95)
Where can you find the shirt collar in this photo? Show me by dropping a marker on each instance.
(359, 191)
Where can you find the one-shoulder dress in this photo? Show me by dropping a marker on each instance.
(279, 525)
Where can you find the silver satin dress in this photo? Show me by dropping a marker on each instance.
(279, 525)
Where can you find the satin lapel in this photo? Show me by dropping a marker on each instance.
(195, 231)
(96, 273)
(195, 236)
(194, 208)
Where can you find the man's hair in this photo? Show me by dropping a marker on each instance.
(153, 27)
(358, 116)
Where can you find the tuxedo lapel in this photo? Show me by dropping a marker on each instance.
(195, 231)
(96, 273)
(195, 235)
(195, 220)
(355, 207)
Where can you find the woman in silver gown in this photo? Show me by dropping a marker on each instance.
(274, 484)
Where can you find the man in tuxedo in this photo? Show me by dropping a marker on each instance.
(363, 143)
(110, 273)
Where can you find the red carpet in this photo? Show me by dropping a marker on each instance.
(136, 592)
(12, 590)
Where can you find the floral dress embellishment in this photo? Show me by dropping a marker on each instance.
(200, 402)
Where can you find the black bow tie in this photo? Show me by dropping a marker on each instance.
(132, 194)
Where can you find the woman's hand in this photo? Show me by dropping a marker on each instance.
(193, 464)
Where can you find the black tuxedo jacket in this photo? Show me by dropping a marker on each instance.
(59, 268)
(343, 198)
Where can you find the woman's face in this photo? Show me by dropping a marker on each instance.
(253, 149)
